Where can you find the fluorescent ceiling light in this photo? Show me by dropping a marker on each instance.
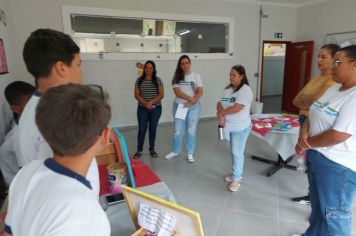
(184, 32)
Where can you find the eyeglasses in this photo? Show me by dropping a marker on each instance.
(336, 63)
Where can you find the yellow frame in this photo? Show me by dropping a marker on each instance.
(162, 204)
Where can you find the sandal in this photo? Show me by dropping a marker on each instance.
(153, 153)
(137, 155)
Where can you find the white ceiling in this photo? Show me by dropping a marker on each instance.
(295, 3)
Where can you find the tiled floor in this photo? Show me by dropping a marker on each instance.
(262, 206)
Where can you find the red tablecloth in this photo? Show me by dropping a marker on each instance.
(265, 124)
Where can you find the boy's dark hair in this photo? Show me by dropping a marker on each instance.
(71, 118)
(44, 48)
(179, 74)
(16, 90)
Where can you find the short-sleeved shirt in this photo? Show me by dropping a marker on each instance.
(240, 120)
(149, 90)
(8, 163)
(32, 145)
(336, 110)
(45, 198)
(188, 86)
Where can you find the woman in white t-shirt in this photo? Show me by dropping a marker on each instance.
(188, 88)
(329, 136)
(233, 112)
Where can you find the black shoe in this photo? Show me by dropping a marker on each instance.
(137, 155)
(153, 153)
(305, 200)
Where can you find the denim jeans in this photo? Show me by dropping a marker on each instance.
(238, 141)
(147, 118)
(332, 187)
(190, 125)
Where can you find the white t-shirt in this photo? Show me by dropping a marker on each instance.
(32, 146)
(240, 120)
(189, 86)
(8, 162)
(336, 110)
(46, 198)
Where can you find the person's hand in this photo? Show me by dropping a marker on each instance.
(193, 100)
(187, 104)
(149, 105)
(222, 121)
(302, 144)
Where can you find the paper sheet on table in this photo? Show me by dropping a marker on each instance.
(156, 221)
(181, 112)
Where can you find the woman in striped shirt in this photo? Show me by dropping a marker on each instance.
(149, 93)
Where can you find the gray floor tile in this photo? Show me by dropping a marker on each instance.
(210, 217)
(289, 228)
(235, 223)
(214, 195)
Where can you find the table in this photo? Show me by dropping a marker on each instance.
(119, 215)
(274, 145)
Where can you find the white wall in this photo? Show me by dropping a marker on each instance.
(314, 22)
(118, 76)
(6, 35)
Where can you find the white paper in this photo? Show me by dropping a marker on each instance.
(156, 221)
(181, 112)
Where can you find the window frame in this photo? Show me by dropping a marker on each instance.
(67, 11)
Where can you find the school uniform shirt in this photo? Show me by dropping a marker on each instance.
(240, 120)
(189, 86)
(336, 110)
(8, 162)
(32, 145)
(46, 198)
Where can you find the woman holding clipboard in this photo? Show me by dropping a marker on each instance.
(188, 88)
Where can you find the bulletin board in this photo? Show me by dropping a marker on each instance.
(3, 62)
(188, 221)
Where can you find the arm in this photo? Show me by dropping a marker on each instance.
(138, 97)
(182, 95)
(198, 94)
(303, 144)
(233, 109)
(221, 118)
(328, 138)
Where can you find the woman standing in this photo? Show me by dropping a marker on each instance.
(330, 136)
(149, 93)
(233, 112)
(313, 90)
(188, 88)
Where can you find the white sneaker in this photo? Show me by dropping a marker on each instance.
(170, 155)
(190, 158)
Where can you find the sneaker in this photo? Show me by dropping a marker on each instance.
(190, 158)
(153, 153)
(305, 200)
(234, 185)
(170, 155)
(137, 155)
(228, 178)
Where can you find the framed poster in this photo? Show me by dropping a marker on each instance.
(188, 221)
(3, 63)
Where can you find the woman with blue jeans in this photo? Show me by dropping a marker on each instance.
(329, 136)
(149, 93)
(233, 112)
(188, 88)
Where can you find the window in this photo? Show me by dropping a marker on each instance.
(102, 31)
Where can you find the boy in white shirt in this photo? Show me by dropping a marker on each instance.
(52, 196)
(17, 95)
(52, 57)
